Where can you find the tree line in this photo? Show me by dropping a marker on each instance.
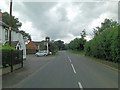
(55, 46)
(105, 44)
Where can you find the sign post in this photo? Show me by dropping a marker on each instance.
(47, 40)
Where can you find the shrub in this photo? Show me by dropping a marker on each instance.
(105, 46)
(7, 47)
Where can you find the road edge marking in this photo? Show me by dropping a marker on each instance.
(80, 86)
(73, 68)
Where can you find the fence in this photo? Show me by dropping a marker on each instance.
(11, 58)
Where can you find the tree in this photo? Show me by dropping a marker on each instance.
(83, 34)
(78, 43)
(25, 35)
(108, 23)
(15, 22)
(60, 44)
(53, 48)
(106, 45)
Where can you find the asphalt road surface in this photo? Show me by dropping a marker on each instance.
(68, 70)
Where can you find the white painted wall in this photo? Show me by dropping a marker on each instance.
(14, 37)
(2, 35)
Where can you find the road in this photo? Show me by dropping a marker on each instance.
(68, 70)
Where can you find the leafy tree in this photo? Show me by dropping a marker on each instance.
(25, 35)
(66, 47)
(15, 22)
(78, 43)
(83, 34)
(53, 48)
(108, 23)
(106, 45)
(16, 25)
(60, 44)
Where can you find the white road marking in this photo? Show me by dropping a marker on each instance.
(73, 68)
(80, 85)
(69, 59)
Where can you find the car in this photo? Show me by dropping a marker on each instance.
(41, 53)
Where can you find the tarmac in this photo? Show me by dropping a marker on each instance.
(31, 65)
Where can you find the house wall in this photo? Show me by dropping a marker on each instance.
(1, 34)
(14, 37)
(22, 43)
(30, 51)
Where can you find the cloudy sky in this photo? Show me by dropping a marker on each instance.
(61, 20)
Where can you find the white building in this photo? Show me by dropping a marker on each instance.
(16, 38)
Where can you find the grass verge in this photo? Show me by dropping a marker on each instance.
(107, 63)
(76, 52)
(101, 61)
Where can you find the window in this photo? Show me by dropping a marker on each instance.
(6, 34)
(17, 48)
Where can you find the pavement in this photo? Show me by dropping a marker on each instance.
(66, 70)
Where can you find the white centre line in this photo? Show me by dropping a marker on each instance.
(69, 59)
(80, 85)
(73, 68)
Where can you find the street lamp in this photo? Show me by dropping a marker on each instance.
(10, 22)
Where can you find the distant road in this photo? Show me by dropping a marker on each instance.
(68, 70)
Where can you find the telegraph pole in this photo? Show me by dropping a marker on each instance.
(10, 22)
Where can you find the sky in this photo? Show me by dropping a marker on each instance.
(61, 20)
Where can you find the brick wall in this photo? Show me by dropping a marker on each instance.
(31, 51)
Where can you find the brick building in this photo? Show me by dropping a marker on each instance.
(31, 47)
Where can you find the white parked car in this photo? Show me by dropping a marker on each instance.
(41, 53)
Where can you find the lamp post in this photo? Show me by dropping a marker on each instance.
(10, 22)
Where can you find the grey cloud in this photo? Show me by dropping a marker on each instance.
(56, 24)
(63, 14)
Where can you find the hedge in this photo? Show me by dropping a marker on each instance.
(11, 57)
(105, 46)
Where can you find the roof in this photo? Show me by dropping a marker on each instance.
(13, 43)
(36, 43)
(31, 45)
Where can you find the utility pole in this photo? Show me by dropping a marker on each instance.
(10, 22)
